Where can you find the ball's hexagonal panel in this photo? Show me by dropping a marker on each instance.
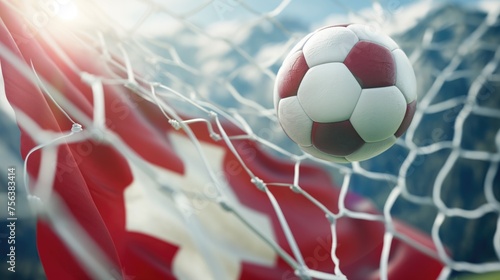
(317, 153)
(290, 76)
(370, 34)
(329, 45)
(337, 138)
(329, 92)
(369, 150)
(410, 112)
(330, 26)
(378, 113)
(294, 121)
(405, 76)
(372, 65)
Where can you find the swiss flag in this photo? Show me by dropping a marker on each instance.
(157, 216)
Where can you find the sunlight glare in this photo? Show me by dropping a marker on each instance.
(68, 12)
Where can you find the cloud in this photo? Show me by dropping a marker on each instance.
(405, 17)
(489, 6)
(392, 18)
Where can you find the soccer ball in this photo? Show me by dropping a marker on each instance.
(345, 93)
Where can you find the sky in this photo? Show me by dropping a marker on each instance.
(210, 11)
(311, 12)
(314, 12)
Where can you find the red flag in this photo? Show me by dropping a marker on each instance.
(131, 210)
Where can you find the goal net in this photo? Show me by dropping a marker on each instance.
(152, 150)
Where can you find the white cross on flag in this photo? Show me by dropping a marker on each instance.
(155, 217)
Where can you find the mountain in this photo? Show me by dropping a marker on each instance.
(450, 48)
(455, 57)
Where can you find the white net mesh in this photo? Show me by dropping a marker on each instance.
(215, 61)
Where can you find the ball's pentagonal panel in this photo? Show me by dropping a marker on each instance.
(329, 45)
(378, 113)
(372, 65)
(329, 92)
(405, 76)
(317, 153)
(294, 121)
(369, 150)
(290, 75)
(370, 34)
(337, 138)
(410, 112)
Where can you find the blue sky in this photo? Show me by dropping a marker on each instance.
(309, 11)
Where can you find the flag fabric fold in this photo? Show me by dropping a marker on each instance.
(139, 223)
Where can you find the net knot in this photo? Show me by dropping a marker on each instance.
(88, 78)
(259, 183)
(295, 188)
(330, 218)
(132, 85)
(212, 114)
(215, 136)
(389, 226)
(98, 134)
(76, 127)
(175, 124)
(302, 273)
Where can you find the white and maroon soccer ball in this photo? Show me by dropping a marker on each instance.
(345, 93)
